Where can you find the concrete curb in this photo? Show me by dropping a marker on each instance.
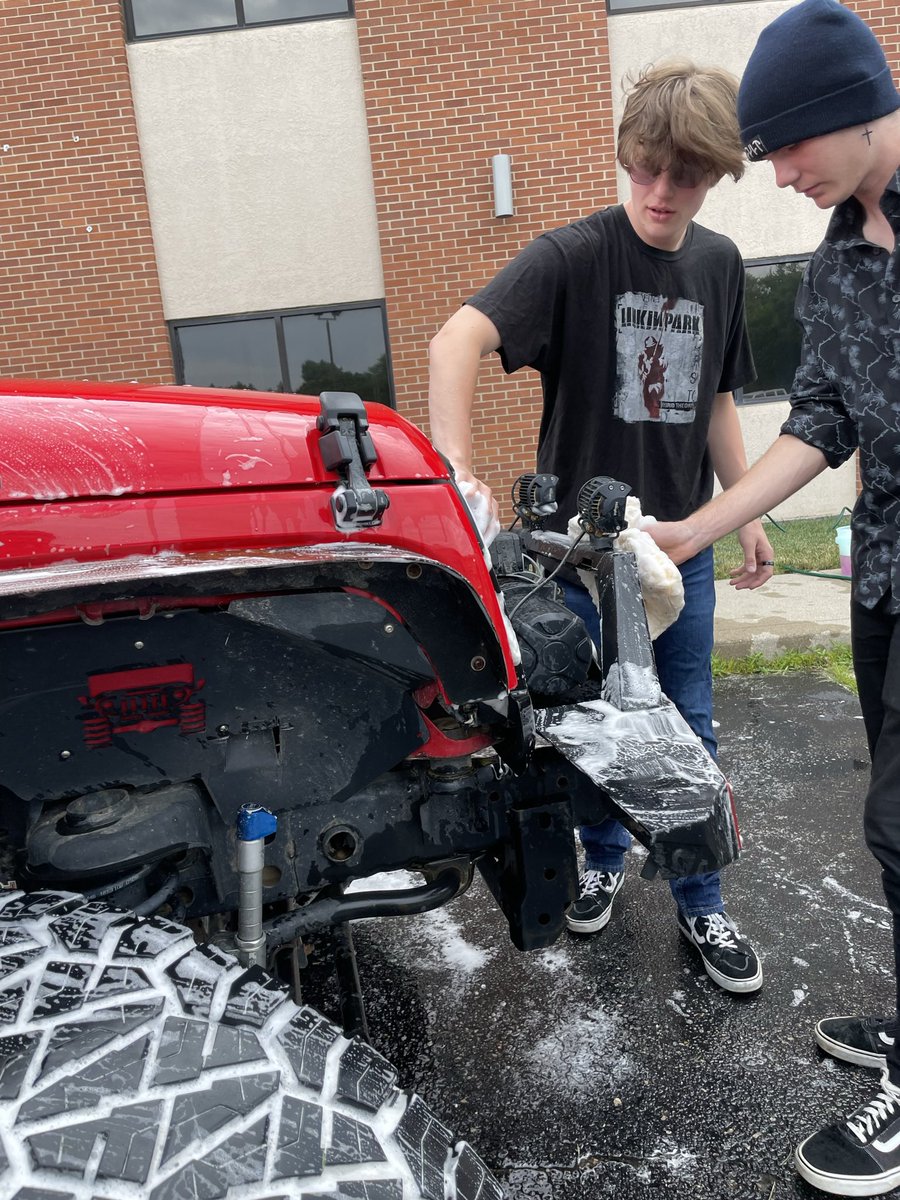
(790, 612)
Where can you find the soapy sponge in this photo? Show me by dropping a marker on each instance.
(661, 583)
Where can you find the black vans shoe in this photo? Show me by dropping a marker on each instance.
(859, 1156)
(861, 1040)
(728, 960)
(593, 908)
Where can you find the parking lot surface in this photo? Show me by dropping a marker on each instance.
(610, 1065)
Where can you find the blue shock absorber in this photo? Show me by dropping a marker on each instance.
(254, 825)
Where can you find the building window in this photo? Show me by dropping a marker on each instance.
(307, 351)
(620, 6)
(163, 18)
(774, 333)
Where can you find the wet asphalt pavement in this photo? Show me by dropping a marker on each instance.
(610, 1065)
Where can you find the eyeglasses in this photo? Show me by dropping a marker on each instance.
(682, 176)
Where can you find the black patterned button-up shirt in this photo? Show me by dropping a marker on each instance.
(846, 392)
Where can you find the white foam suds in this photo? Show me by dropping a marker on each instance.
(553, 960)
(834, 886)
(386, 881)
(628, 752)
(445, 937)
(675, 1159)
(578, 1053)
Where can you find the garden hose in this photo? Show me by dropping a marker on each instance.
(817, 574)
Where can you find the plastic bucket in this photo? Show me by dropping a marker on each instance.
(842, 537)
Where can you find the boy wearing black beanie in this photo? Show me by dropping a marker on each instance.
(817, 69)
(818, 102)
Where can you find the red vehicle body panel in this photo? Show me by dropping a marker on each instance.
(94, 472)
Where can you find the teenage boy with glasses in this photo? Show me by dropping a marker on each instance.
(634, 317)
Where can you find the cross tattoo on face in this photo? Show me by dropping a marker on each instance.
(867, 134)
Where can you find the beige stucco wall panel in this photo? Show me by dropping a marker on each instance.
(256, 158)
(828, 493)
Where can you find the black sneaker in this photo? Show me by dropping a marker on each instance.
(859, 1156)
(728, 960)
(861, 1040)
(593, 908)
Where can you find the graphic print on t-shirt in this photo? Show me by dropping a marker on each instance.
(659, 348)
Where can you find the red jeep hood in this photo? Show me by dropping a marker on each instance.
(120, 478)
(72, 440)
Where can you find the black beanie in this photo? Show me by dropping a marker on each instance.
(817, 68)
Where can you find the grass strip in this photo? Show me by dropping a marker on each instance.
(805, 545)
(834, 663)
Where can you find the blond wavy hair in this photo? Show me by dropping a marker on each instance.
(677, 112)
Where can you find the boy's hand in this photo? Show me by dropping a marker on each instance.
(482, 504)
(759, 558)
(675, 537)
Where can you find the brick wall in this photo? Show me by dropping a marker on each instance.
(448, 84)
(79, 294)
(884, 20)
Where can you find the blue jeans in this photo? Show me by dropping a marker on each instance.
(685, 675)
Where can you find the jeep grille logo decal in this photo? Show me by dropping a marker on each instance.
(141, 700)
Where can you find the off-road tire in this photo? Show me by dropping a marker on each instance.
(137, 1063)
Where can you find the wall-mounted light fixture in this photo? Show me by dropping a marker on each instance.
(501, 165)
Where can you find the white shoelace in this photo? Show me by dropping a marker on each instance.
(720, 931)
(867, 1121)
(593, 882)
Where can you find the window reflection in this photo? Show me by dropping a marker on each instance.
(340, 350)
(287, 10)
(151, 18)
(176, 16)
(333, 349)
(774, 333)
(615, 6)
(231, 354)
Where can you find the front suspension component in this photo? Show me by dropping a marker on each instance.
(254, 825)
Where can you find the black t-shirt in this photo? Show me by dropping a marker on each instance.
(632, 344)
